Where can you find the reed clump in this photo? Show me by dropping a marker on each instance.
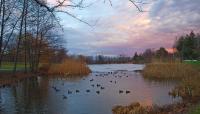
(172, 70)
(136, 108)
(67, 67)
(188, 75)
(188, 89)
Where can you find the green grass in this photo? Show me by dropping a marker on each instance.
(8, 66)
(194, 63)
(196, 110)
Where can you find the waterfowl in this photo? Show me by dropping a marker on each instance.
(120, 91)
(64, 97)
(92, 85)
(98, 85)
(98, 92)
(77, 91)
(127, 92)
(102, 87)
(57, 90)
(92, 80)
(69, 92)
(88, 90)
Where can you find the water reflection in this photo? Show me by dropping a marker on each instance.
(94, 94)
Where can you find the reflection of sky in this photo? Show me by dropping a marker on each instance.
(121, 29)
(36, 95)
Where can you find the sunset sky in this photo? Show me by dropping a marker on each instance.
(122, 29)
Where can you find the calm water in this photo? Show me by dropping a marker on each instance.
(93, 94)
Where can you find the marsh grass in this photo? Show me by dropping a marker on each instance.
(187, 74)
(188, 89)
(66, 68)
(171, 70)
(136, 108)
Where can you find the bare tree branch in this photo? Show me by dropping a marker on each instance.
(75, 17)
(134, 3)
(61, 3)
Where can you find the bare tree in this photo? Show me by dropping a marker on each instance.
(20, 35)
(2, 29)
(27, 25)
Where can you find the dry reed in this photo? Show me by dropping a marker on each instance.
(68, 67)
(136, 108)
(173, 70)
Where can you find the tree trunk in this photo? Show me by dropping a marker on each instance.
(25, 37)
(2, 30)
(19, 39)
(37, 39)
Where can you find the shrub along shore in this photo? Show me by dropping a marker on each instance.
(188, 89)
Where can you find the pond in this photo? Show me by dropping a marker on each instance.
(105, 87)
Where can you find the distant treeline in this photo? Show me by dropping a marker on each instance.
(100, 59)
(150, 55)
(186, 47)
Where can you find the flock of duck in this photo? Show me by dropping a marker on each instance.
(115, 74)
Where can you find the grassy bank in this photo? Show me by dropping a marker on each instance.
(8, 67)
(68, 67)
(189, 88)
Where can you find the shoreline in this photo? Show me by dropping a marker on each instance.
(8, 79)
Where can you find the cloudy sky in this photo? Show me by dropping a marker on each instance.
(122, 29)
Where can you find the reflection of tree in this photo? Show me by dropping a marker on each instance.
(29, 96)
(34, 94)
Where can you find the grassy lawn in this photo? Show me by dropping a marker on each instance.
(8, 66)
(193, 62)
